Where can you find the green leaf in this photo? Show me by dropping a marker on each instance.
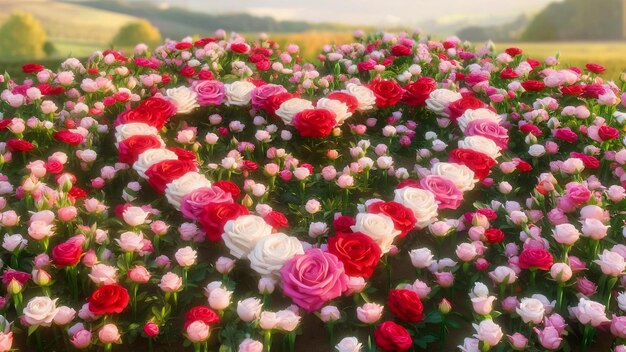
(32, 329)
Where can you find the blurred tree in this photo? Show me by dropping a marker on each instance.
(49, 48)
(137, 32)
(22, 37)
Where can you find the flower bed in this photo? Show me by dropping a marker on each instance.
(400, 194)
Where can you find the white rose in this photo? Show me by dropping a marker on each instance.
(183, 98)
(238, 93)
(531, 310)
(377, 226)
(439, 99)
(290, 108)
(461, 175)
(338, 107)
(189, 182)
(40, 311)
(349, 344)
(363, 95)
(270, 253)
(503, 274)
(481, 144)
(422, 202)
(240, 235)
(151, 157)
(249, 309)
(128, 130)
(477, 114)
(536, 150)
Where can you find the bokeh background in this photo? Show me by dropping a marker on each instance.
(46, 31)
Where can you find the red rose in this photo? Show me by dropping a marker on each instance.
(108, 299)
(388, 93)
(533, 86)
(513, 51)
(187, 71)
(607, 133)
(68, 137)
(47, 89)
(523, 166)
(314, 123)
(508, 73)
(215, 215)
(143, 115)
(182, 154)
(403, 217)
(158, 106)
(183, 45)
(130, 148)
(595, 68)
(575, 89)
(4, 124)
(67, 253)
(416, 93)
(530, 128)
(32, 68)
(273, 102)
(565, 134)
(19, 276)
(358, 253)
(589, 161)
(533, 63)
(76, 193)
(401, 50)
(408, 183)
(535, 258)
(458, 107)
(350, 100)
(406, 305)
(366, 65)
(343, 223)
(202, 313)
(494, 235)
(166, 171)
(19, 145)
(276, 219)
(54, 166)
(390, 336)
(478, 162)
(204, 41)
(228, 186)
(239, 47)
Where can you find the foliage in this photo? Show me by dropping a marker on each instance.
(22, 37)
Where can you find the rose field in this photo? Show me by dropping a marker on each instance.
(396, 193)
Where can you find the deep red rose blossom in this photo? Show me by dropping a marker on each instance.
(406, 305)
(215, 216)
(166, 171)
(388, 93)
(67, 253)
(390, 336)
(314, 123)
(535, 258)
(357, 251)
(108, 299)
(202, 313)
(403, 217)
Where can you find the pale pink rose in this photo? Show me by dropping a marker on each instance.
(446, 193)
(130, 241)
(566, 234)
(139, 274)
(330, 314)
(561, 272)
(421, 258)
(219, 298)
(369, 313)
(288, 319)
(159, 227)
(589, 312)
(531, 310)
(81, 339)
(102, 274)
(224, 265)
(503, 274)
(135, 216)
(421, 288)
(483, 305)
(186, 256)
(268, 320)
(250, 345)
(611, 263)
(109, 334)
(488, 331)
(466, 252)
(594, 229)
(67, 213)
(267, 285)
(170, 282)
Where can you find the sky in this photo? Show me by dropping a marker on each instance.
(374, 12)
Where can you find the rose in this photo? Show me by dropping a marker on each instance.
(40, 311)
(215, 216)
(416, 93)
(180, 187)
(565, 234)
(64, 316)
(67, 253)
(349, 344)
(229, 187)
(287, 320)
(531, 310)
(170, 282)
(135, 216)
(166, 171)
(243, 231)
(378, 227)
(128, 130)
(420, 201)
(350, 100)
(150, 157)
(343, 223)
(130, 148)
(313, 278)
(494, 235)
(364, 96)
(611, 263)
(478, 162)
(406, 305)
(565, 134)
(192, 204)
(103, 274)
(68, 137)
(19, 145)
(488, 331)
(109, 334)
(250, 345)
(208, 92)
(291, 107)
(358, 253)
(143, 115)
(337, 107)
(459, 107)
(201, 313)
(186, 256)
(589, 312)
(238, 93)
(197, 331)
(108, 299)
(488, 129)
(158, 107)
(388, 93)
(461, 175)
(183, 98)
(439, 99)
(390, 336)
(503, 274)
(314, 123)
(276, 219)
(480, 144)
(535, 258)
(445, 191)
(369, 313)
(249, 309)
(260, 95)
(403, 218)
(270, 253)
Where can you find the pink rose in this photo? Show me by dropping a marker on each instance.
(262, 93)
(192, 205)
(208, 92)
(313, 278)
(109, 334)
(549, 338)
(488, 129)
(446, 193)
(81, 339)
